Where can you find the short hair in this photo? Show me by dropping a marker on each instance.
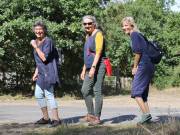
(41, 24)
(93, 18)
(130, 20)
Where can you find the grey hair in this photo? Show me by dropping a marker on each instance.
(42, 24)
(93, 18)
(130, 21)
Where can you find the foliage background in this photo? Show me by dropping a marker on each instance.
(63, 18)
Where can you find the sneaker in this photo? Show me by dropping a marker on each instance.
(145, 118)
(55, 123)
(43, 121)
(95, 122)
(87, 118)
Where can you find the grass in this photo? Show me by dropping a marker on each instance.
(171, 127)
(11, 98)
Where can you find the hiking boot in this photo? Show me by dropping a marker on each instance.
(95, 122)
(87, 118)
(145, 118)
(55, 123)
(43, 121)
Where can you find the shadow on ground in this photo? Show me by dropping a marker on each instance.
(16, 128)
(123, 118)
(114, 120)
(167, 118)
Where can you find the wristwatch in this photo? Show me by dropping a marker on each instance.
(94, 67)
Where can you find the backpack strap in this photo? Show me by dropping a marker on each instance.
(144, 37)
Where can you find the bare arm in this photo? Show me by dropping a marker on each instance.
(96, 60)
(39, 52)
(35, 76)
(83, 72)
(84, 68)
(99, 46)
(137, 58)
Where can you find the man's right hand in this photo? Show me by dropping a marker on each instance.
(83, 74)
(35, 77)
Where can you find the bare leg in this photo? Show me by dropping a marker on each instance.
(141, 104)
(146, 116)
(55, 115)
(147, 107)
(55, 118)
(53, 104)
(45, 113)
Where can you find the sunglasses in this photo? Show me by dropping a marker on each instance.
(89, 23)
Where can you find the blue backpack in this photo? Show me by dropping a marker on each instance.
(154, 51)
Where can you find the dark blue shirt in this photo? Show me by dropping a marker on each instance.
(90, 51)
(47, 71)
(138, 45)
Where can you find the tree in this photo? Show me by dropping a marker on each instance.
(63, 19)
(156, 21)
